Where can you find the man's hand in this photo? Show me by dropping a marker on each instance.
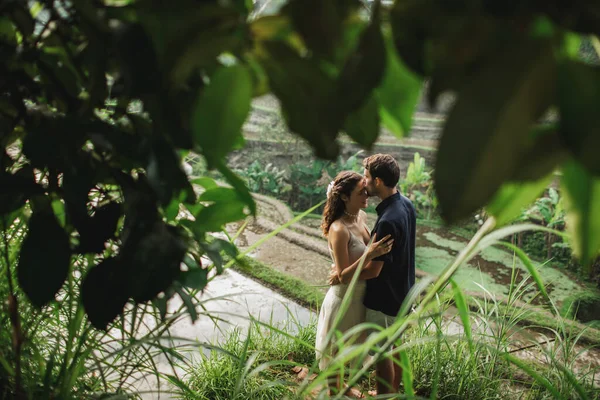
(334, 279)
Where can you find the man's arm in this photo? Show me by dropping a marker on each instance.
(372, 267)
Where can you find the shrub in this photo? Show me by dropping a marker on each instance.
(584, 306)
(238, 369)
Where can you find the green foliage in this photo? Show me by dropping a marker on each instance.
(582, 306)
(452, 371)
(235, 370)
(548, 210)
(98, 102)
(417, 186)
(55, 352)
(416, 174)
(267, 180)
(301, 185)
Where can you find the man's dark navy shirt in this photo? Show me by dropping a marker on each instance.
(396, 217)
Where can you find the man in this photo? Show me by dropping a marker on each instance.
(391, 276)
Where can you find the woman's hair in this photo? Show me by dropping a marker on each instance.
(344, 183)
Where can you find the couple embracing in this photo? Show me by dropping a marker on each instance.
(388, 271)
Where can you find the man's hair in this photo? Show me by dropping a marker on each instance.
(384, 167)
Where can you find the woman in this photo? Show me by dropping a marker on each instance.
(345, 226)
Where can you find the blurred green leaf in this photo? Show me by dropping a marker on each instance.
(153, 256)
(319, 22)
(578, 98)
(484, 136)
(188, 301)
(407, 375)
(509, 201)
(363, 124)
(206, 46)
(239, 185)
(166, 175)
(363, 69)
(23, 20)
(398, 93)
(219, 194)
(206, 182)
(410, 33)
(189, 34)
(44, 259)
(215, 216)
(8, 32)
(274, 27)
(194, 278)
(104, 292)
(215, 248)
(305, 93)
(16, 189)
(94, 231)
(541, 154)
(581, 193)
(220, 112)
(161, 304)
(463, 311)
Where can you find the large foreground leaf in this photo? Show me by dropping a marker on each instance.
(221, 111)
(305, 92)
(398, 93)
(363, 69)
(319, 22)
(104, 292)
(363, 124)
(485, 134)
(582, 202)
(44, 259)
(512, 197)
(579, 98)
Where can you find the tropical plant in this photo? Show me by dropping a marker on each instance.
(267, 180)
(352, 163)
(54, 352)
(417, 175)
(418, 186)
(547, 211)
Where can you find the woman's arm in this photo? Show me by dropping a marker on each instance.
(371, 268)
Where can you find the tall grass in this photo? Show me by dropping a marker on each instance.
(253, 365)
(62, 357)
(483, 360)
(59, 355)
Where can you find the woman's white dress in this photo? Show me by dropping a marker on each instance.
(355, 314)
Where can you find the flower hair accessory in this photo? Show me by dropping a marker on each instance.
(330, 188)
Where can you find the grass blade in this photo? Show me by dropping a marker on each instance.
(463, 311)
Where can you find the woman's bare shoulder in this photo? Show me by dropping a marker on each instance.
(337, 227)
